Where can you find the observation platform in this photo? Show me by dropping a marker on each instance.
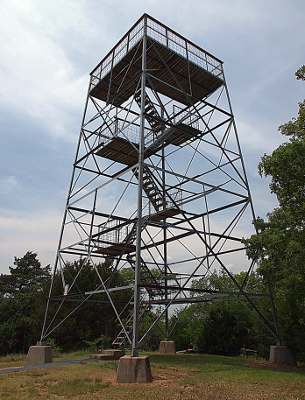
(175, 67)
(126, 152)
(116, 249)
(181, 133)
(163, 214)
(120, 150)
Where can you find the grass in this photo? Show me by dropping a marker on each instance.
(176, 377)
(18, 360)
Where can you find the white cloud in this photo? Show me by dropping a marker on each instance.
(19, 235)
(37, 77)
(8, 184)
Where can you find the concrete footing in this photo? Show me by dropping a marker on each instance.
(109, 355)
(38, 355)
(134, 370)
(167, 347)
(281, 355)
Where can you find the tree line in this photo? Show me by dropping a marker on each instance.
(219, 328)
(224, 328)
(24, 294)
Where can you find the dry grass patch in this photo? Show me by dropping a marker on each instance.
(176, 377)
(12, 361)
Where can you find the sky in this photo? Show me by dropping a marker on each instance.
(48, 49)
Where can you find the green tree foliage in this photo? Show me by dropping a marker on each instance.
(156, 334)
(300, 74)
(223, 327)
(23, 296)
(95, 318)
(279, 245)
(27, 275)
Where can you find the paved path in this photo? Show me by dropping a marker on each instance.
(47, 365)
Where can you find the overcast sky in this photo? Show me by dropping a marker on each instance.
(47, 50)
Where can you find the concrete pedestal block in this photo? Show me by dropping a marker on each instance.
(103, 357)
(167, 347)
(38, 355)
(134, 370)
(116, 354)
(109, 355)
(281, 355)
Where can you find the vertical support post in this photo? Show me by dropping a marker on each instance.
(135, 339)
(166, 283)
(165, 243)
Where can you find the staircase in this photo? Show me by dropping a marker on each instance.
(152, 191)
(151, 113)
(131, 236)
(146, 277)
(182, 129)
(121, 339)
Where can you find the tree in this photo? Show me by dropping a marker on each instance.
(23, 297)
(279, 245)
(26, 275)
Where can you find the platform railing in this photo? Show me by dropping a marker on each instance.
(163, 35)
(119, 128)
